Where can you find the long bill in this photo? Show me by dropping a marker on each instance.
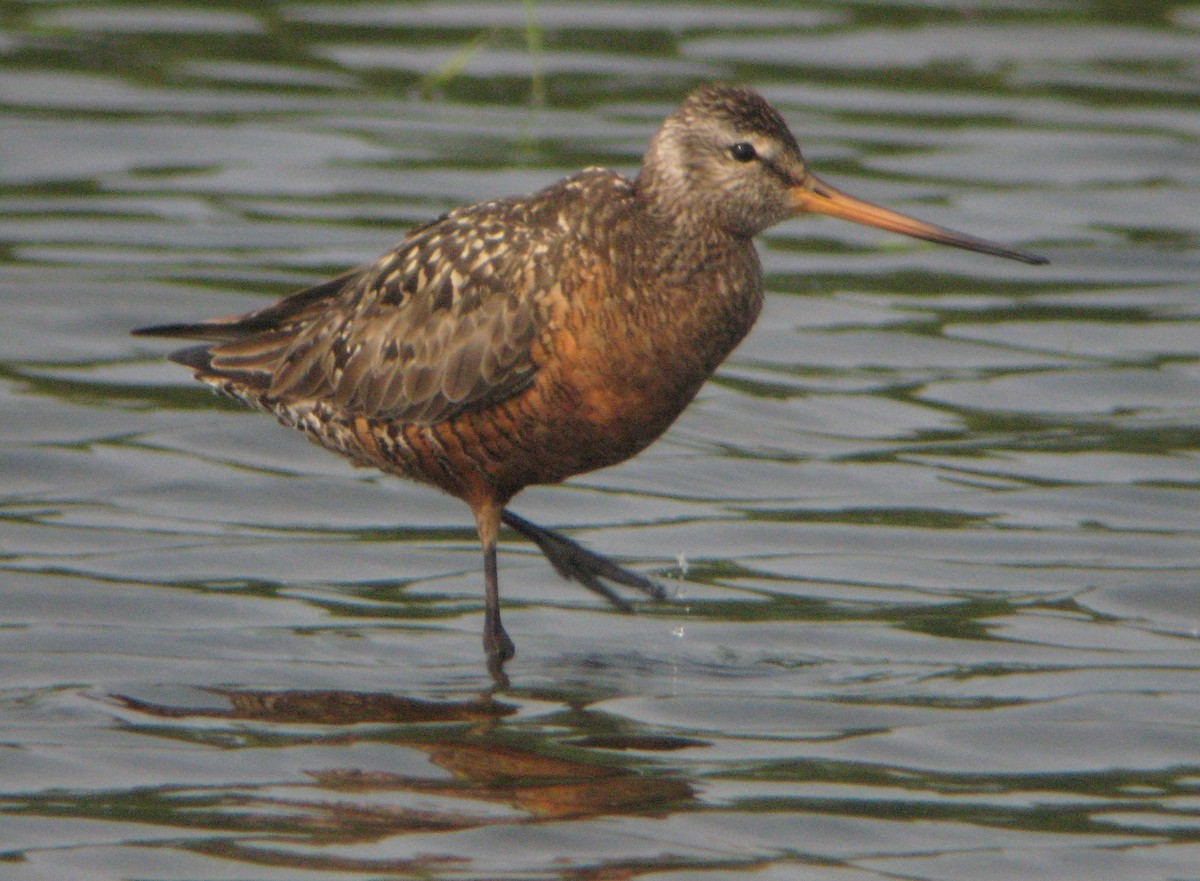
(814, 196)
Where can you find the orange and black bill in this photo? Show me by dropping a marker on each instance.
(813, 196)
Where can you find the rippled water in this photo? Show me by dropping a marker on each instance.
(933, 529)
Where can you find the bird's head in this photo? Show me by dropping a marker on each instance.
(726, 159)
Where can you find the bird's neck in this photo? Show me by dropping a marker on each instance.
(706, 290)
(682, 248)
(678, 238)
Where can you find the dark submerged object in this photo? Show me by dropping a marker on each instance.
(524, 340)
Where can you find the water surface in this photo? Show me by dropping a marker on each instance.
(932, 531)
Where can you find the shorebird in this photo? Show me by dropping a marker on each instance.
(525, 340)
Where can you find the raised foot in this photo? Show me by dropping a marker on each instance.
(573, 561)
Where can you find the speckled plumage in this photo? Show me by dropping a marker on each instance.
(503, 344)
(525, 340)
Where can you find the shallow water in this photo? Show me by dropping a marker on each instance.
(933, 530)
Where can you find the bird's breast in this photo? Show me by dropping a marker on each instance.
(634, 365)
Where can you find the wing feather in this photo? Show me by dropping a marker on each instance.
(442, 323)
(445, 322)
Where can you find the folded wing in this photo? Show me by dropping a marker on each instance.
(443, 323)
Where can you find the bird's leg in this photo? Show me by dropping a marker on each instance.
(496, 643)
(573, 561)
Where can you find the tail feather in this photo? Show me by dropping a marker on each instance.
(242, 352)
(297, 307)
(198, 358)
(239, 361)
(217, 330)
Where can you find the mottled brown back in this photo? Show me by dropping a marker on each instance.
(443, 323)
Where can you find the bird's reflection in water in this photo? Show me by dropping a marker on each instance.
(496, 774)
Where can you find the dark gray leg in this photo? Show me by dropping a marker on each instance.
(497, 645)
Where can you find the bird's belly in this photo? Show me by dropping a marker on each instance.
(557, 429)
(596, 400)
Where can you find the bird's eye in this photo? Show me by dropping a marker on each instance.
(743, 151)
